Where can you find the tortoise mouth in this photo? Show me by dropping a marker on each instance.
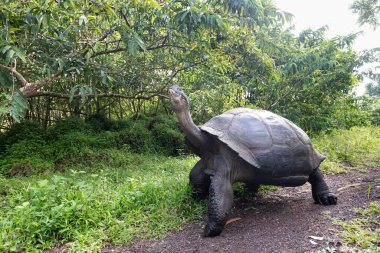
(172, 92)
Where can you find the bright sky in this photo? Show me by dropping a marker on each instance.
(336, 14)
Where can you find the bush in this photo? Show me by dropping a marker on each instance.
(68, 125)
(358, 146)
(166, 132)
(99, 122)
(34, 154)
(84, 211)
(76, 141)
(26, 130)
(138, 137)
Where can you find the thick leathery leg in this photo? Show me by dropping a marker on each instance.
(220, 203)
(199, 181)
(320, 190)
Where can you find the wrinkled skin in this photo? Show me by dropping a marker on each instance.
(220, 166)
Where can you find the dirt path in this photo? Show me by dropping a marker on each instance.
(280, 221)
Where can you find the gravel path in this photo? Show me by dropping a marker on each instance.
(280, 221)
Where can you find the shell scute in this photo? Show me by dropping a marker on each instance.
(266, 140)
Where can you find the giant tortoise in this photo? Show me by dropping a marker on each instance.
(256, 147)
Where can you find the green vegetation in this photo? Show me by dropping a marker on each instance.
(90, 152)
(363, 233)
(84, 189)
(368, 11)
(118, 58)
(73, 141)
(349, 149)
(144, 198)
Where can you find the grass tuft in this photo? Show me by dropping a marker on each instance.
(363, 233)
(349, 149)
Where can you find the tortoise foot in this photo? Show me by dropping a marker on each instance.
(213, 229)
(327, 198)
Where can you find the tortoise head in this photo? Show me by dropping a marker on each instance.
(178, 99)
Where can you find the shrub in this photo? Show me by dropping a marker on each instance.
(99, 122)
(166, 132)
(33, 153)
(138, 137)
(76, 141)
(26, 130)
(68, 125)
(88, 210)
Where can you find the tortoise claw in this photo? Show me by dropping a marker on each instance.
(328, 198)
(213, 229)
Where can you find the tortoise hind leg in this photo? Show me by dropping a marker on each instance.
(199, 181)
(320, 190)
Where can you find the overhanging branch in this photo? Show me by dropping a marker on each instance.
(121, 49)
(28, 88)
(16, 73)
(32, 87)
(66, 96)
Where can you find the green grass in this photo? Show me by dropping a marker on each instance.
(349, 149)
(107, 194)
(363, 233)
(146, 198)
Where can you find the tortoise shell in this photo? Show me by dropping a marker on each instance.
(267, 141)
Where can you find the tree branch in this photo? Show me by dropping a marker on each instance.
(33, 87)
(62, 95)
(27, 87)
(120, 49)
(16, 73)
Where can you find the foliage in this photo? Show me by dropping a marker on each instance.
(82, 58)
(27, 130)
(107, 194)
(357, 147)
(75, 141)
(373, 58)
(363, 232)
(373, 90)
(87, 210)
(371, 104)
(368, 11)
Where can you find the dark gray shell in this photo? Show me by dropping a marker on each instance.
(267, 141)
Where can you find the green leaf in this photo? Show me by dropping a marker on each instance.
(9, 56)
(103, 76)
(139, 41)
(60, 62)
(5, 49)
(18, 106)
(20, 54)
(72, 92)
(133, 46)
(43, 183)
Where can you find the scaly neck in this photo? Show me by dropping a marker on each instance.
(192, 131)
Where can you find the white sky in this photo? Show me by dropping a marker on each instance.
(336, 14)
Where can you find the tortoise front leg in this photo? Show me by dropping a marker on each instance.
(320, 190)
(199, 181)
(220, 203)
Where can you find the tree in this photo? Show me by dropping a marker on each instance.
(93, 57)
(369, 12)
